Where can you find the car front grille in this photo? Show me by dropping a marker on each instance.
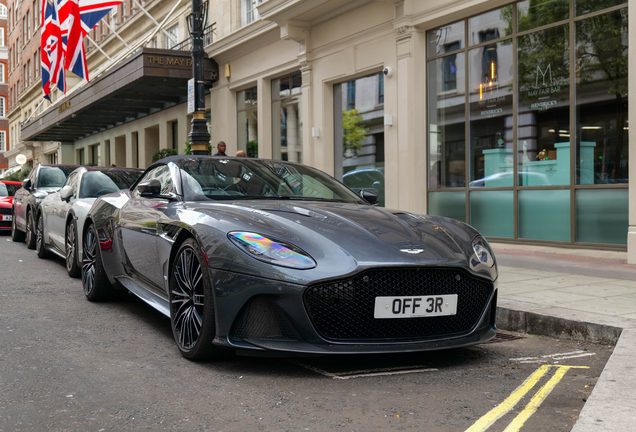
(343, 310)
(5, 210)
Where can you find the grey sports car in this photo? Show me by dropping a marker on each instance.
(263, 256)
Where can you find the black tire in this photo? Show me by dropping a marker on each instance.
(192, 304)
(94, 280)
(16, 235)
(72, 268)
(40, 248)
(30, 230)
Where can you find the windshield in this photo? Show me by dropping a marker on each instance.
(8, 189)
(218, 179)
(53, 177)
(98, 183)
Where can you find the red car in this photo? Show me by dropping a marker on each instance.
(7, 190)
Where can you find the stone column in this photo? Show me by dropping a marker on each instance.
(405, 102)
(306, 108)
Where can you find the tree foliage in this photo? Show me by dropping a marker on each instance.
(354, 132)
(163, 153)
(18, 175)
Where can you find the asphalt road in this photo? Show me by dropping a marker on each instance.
(70, 365)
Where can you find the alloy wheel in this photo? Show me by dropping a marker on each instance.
(188, 299)
(29, 228)
(39, 233)
(88, 267)
(70, 246)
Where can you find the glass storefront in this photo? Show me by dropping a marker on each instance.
(528, 121)
(359, 134)
(287, 125)
(247, 116)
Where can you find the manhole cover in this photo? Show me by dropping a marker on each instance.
(503, 336)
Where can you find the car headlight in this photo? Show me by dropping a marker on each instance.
(483, 251)
(272, 251)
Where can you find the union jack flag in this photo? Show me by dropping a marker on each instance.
(51, 50)
(92, 11)
(72, 37)
(65, 23)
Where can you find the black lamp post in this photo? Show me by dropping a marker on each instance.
(199, 136)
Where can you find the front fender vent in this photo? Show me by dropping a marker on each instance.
(261, 318)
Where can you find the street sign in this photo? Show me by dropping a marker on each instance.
(190, 95)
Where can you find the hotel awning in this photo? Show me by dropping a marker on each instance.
(149, 81)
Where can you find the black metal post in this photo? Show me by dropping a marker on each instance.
(199, 136)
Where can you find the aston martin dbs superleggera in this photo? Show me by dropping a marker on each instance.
(269, 256)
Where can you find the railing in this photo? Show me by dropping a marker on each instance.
(208, 38)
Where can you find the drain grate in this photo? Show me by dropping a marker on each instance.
(503, 336)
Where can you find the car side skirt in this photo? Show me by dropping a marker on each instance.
(159, 303)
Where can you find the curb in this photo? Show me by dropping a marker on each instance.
(557, 327)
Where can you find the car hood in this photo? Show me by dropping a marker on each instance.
(6, 200)
(348, 236)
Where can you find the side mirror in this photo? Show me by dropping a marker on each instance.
(149, 189)
(26, 183)
(66, 193)
(368, 196)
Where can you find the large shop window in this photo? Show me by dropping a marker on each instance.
(359, 134)
(601, 99)
(287, 125)
(247, 115)
(510, 151)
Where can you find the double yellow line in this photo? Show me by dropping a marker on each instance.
(506, 406)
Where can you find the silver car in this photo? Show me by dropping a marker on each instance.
(61, 215)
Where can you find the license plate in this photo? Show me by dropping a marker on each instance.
(415, 306)
(7, 217)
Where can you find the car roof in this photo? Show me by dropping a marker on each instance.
(111, 169)
(61, 166)
(11, 182)
(181, 158)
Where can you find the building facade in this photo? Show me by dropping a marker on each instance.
(510, 116)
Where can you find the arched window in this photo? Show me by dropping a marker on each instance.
(3, 11)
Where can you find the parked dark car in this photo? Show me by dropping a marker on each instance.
(270, 256)
(42, 180)
(7, 191)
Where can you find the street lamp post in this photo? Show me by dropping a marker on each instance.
(199, 136)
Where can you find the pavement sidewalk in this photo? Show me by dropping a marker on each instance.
(581, 295)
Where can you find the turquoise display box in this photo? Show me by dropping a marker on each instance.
(555, 172)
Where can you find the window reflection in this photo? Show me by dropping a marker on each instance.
(536, 13)
(490, 25)
(446, 123)
(445, 39)
(247, 115)
(601, 99)
(587, 6)
(543, 116)
(359, 134)
(491, 157)
(287, 138)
